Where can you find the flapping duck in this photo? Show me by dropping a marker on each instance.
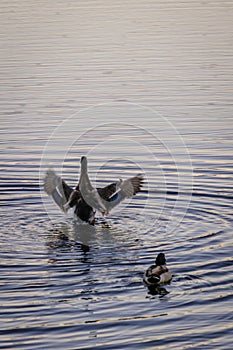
(86, 199)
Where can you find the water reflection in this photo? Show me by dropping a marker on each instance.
(157, 290)
(59, 242)
(77, 236)
(83, 233)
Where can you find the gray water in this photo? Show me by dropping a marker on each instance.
(138, 87)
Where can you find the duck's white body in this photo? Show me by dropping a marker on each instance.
(89, 193)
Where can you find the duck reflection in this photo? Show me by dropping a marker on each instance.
(85, 234)
(61, 241)
(160, 291)
(75, 237)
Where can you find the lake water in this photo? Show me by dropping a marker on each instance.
(138, 87)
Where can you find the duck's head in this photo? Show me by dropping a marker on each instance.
(84, 162)
(160, 260)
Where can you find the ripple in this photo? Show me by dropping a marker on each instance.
(91, 278)
(74, 286)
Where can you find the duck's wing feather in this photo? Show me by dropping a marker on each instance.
(131, 186)
(116, 192)
(57, 188)
(107, 192)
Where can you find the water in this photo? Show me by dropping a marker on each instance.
(140, 87)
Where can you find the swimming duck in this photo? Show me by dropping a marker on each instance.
(85, 198)
(157, 274)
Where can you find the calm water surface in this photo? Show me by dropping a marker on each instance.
(140, 87)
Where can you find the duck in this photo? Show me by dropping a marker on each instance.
(85, 198)
(157, 274)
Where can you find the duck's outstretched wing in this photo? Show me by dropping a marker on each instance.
(116, 192)
(57, 188)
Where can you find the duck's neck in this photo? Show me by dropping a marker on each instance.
(83, 168)
(84, 178)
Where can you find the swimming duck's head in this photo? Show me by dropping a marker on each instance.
(160, 260)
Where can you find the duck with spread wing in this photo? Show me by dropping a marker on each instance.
(87, 199)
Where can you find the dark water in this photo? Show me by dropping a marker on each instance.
(137, 87)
